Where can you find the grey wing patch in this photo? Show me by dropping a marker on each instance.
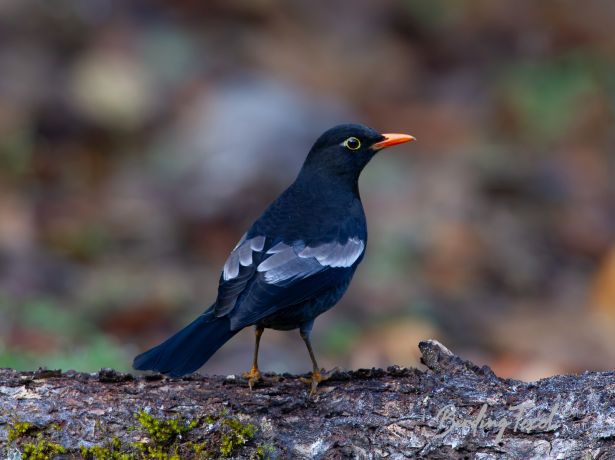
(282, 253)
(298, 260)
(242, 256)
(335, 254)
(285, 263)
(257, 243)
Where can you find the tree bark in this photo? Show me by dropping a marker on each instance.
(453, 409)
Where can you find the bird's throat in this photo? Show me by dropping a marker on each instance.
(323, 181)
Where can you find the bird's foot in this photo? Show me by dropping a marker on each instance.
(317, 377)
(253, 376)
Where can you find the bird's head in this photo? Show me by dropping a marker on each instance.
(344, 150)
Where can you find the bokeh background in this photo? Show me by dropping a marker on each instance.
(139, 139)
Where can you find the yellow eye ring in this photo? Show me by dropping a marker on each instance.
(352, 143)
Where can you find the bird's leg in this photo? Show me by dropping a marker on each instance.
(317, 375)
(254, 375)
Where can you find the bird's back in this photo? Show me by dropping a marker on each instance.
(313, 211)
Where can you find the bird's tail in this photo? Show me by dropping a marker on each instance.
(189, 349)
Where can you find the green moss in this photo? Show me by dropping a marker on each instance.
(164, 432)
(110, 451)
(21, 429)
(34, 447)
(152, 452)
(264, 451)
(199, 449)
(230, 435)
(41, 450)
(236, 435)
(221, 436)
(55, 427)
(227, 435)
(210, 419)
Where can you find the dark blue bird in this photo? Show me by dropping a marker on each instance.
(294, 263)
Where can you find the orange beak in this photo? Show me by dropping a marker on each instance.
(393, 139)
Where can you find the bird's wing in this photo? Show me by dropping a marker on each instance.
(256, 282)
(238, 271)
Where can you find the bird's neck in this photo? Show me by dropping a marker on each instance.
(326, 182)
(315, 208)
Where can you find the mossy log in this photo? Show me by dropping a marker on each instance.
(453, 409)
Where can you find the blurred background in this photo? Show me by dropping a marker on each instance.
(139, 139)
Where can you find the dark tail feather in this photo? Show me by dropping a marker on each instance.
(189, 349)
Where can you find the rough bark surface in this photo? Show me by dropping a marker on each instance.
(454, 409)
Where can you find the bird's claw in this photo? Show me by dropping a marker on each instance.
(253, 377)
(317, 377)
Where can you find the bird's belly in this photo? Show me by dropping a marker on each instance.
(294, 316)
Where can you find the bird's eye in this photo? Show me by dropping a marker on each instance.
(352, 143)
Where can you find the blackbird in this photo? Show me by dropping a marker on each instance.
(294, 263)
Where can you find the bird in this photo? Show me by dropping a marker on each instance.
(294, 263)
